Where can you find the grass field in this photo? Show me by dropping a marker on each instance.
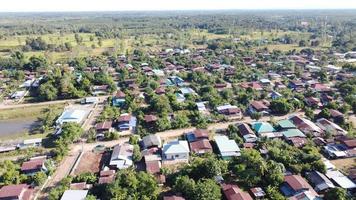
(28, 112)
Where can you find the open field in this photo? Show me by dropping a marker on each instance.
(91, 162)
(344, 164)
(31, 112)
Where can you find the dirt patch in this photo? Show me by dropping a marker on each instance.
(344, 164)
(91, 162)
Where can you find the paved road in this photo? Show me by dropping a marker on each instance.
(9, 106)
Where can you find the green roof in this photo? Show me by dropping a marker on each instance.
(263, 127)
(286, 124)
(293, 133)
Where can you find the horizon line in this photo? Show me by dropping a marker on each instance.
(178, 10)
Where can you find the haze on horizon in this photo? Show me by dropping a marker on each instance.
(140, 5)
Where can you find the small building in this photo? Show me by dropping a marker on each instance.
(90, 100)
(176, 150)
(313, 102)
(247, 133)
(126, 122)
(33, 166)
(121, 157)
(149, 119)
(275, 95)
(335, 151)
(295, 185)
(292, 133)
(151, 141)
(227, 148)
(197, 134)
(306, 126)
(18, 94)
(201, 146)
(103, 126)
(201, 107)
(264, 129)
(319, 181)
(72, 115)
(330, 127)
(258, 106)
(229, 110)
(233, 192)
(74, 195)
(257, 193)
(35, 142)
(119, 99)
(106, 176)
(285, 124)
(18, 192)
(340, 179)
(187, 91)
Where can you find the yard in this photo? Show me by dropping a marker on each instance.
(91, 162)
(344, 164)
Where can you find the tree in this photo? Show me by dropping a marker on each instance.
(302, 43)
(273, 193)
(336, 193)
(324, 113)
(206, 189)
(39, 178)
(134, 139)
(137, 156)
(256, 115)
(184, 185)
(180, 120)
(47, 92)
(163, 123)
(36, 62)
(280, 106)
(87, 177)
(90, 197)
(11, 174)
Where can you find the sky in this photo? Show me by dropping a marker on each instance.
(133, 5)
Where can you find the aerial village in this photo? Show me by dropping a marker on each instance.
(180, 123)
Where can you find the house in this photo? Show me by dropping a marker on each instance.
(335, 151)
(258, 106)
(72, 115)
(292, 133)
(201, 146)
(106, 176)
(18, 94)
(153, 163)
(336, 116)
(119, 99)
(233, 192)
(121, 157)
(16, 192)
(151, 141)
(265, 82)
(180, 97)
(149, 119)
(297, 141)
(257, 193)
(126, 122)
(100, 89)
(177, 80)
(187, 91)
(35, 142)
(313, 102)
(295, 185)
(340, 179)
(253, 85)
(319, 181)
(319, 87)
(176, 150)
(247, 133)
(330, 127)
(33, 166)
(227, 148)
(103, 126)
(89, 100)
(285, 125)
(160, 91)
(264, 129)
(229, 110)
(296, 85)
(275, 95)
(306, 126)
(201, 107)
(74, 195)
(197, 134)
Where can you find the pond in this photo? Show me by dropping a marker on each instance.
(16, 126)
